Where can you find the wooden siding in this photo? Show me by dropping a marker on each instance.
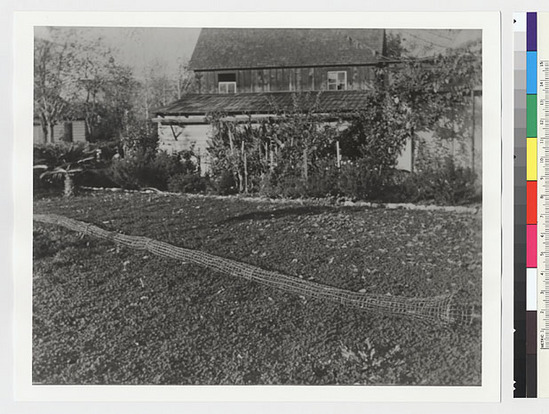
(288, 79)
(78, 132)
(176, 138)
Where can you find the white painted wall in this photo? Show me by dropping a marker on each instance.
(177, 138)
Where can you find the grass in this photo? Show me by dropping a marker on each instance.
(108, 315)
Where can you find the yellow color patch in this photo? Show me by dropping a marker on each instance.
(531, 159)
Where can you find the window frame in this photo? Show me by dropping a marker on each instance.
(336, 82)
(222, 85)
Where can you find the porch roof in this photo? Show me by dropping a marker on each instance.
(266, 103)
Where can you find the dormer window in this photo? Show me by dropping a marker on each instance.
(337, 80)
(226, 82)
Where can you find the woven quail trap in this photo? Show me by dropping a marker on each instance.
(449, 309)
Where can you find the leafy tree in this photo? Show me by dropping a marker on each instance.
(76, 77)
(394, 47)
(104, 89)
(157, 88)
(304, 135)
(435, 94)
(185, 80)
(416, 95)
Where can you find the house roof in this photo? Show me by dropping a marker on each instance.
(239, 48)
(266, 103)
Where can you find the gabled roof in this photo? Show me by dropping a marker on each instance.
(266, 103)
(230, 48)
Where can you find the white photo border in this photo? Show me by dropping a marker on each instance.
(488, 22)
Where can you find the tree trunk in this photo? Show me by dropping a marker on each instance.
(87, 131)
(45, 131)
(240, 182)
(52, 132)
(69, 186)
(412, 150)
(51, 137)
(244, 161)
(305, 164)
(245, 174)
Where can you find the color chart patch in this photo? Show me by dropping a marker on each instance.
(531, 274)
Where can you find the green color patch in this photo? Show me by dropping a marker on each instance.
(531, 116)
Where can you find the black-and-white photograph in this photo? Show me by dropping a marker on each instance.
(257, 206)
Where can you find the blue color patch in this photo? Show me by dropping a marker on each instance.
(531, 72)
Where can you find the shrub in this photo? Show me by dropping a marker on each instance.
(354, 179)
(140, 135)
(226, 183)
(146, 168)
(448, 184)
(324, 180)
(62, 164)
(58, 153)
(188, 183)
(129, 172)
(100, 177)
(40, 186)
(453, 184)
(360, 179)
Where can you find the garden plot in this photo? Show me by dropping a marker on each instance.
(109, 315)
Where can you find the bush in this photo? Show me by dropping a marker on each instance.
(40, 186)
(146, 168)
(140, 135)
(444, 184)
(226, 184)
(354, 179)
(59, 153)
(287, 186)
(324, 180)
(360, 180)
(100, 177)
(188, 183)
(66, 156)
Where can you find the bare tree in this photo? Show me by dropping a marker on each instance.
(51, 62)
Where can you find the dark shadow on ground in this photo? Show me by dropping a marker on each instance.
(282, 212)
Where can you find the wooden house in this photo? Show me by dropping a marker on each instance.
(251, 72)
(68, 131)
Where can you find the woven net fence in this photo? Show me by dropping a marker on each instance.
(449, 309)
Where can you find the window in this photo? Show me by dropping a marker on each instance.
(227, 87)
(337, 81)
(226, 82)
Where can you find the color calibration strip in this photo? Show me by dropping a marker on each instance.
(531, 204)
(531, 252)
(526, 201)
(520, 211)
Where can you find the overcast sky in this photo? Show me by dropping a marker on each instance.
(140, 48)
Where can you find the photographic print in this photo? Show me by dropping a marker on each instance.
(267, 206)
